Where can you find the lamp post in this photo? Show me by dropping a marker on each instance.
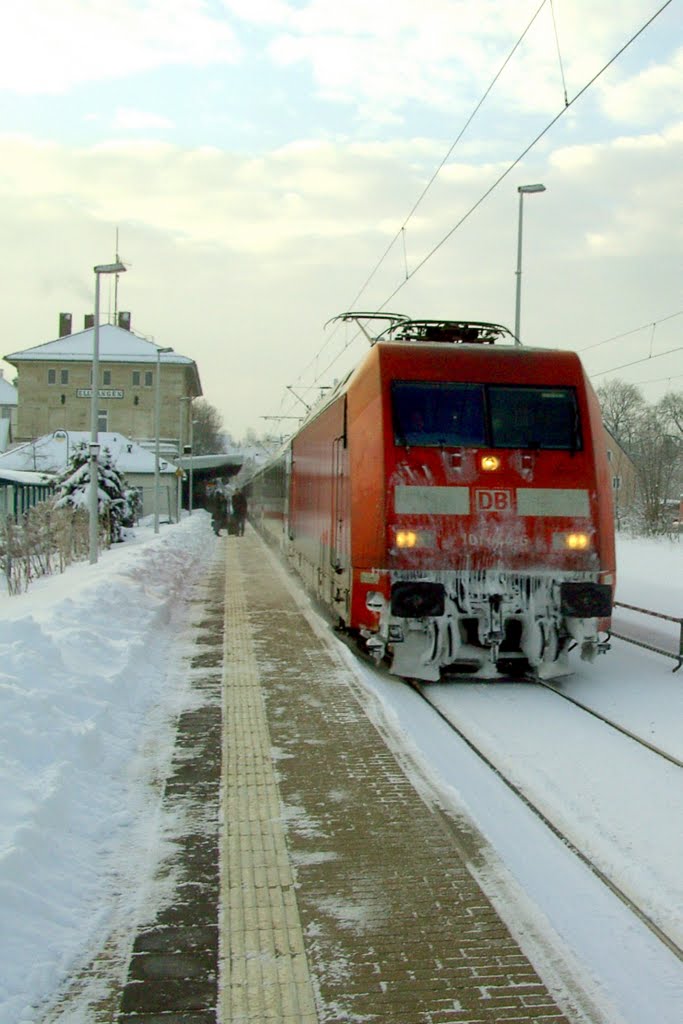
(157, 416)
(523, 190)
(183, 398)
(192, 423)
(105, 268)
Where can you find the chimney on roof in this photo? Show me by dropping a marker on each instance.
(89, 321)
(64, 324)
(124, 321)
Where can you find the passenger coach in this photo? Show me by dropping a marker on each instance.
(450, 503)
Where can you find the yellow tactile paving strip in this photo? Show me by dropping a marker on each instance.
(264, 972)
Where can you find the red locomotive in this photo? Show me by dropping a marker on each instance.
(450, 503)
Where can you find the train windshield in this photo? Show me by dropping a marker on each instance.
(443, 415)
(438, 415)
(533, 418)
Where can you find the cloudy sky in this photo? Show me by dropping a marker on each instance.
(265, 164)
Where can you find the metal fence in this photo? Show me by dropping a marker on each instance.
(650, 647)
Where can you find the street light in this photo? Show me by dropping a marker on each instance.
(183, 398)
(105, 268)
(192, 423)
(157, 414)
(523, 190)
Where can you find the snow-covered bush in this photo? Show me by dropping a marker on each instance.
(44, 540)
(132, 505)
(73, 489)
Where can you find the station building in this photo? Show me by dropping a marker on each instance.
(54, 385)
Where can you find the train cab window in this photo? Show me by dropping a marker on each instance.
(534, 417)
(438, 414)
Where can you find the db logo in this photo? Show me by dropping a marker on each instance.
(493, 501)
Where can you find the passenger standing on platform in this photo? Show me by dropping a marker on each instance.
(239, 510)
(219, 511)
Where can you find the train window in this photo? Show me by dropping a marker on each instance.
(534, 417)
(438, 414)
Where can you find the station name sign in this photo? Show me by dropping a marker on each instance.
(101, 393)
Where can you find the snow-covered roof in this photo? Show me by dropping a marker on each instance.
(50, 453)
(116, 345)
(228, 459)
(14, 476)
(8, 393)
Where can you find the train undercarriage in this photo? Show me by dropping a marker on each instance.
(487, 624)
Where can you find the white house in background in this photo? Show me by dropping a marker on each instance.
(50, 454)
(8, 412)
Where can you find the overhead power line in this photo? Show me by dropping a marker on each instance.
(635, 362)
(635, 330)
(493, 187)
(401, 231)
(527, 150)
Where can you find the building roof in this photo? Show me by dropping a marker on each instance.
(49, 454)
(8, 393)
(14, 476)
(116, 345)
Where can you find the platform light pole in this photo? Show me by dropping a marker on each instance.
(157, 417)
(523, 190)
(192, 423)
(181, 452)
(94, 448)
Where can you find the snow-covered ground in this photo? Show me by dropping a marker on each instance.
(90, 684)
(92, 677)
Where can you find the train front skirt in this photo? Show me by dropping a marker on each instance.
(487, 624)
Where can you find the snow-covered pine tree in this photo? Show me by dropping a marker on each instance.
(73, 488)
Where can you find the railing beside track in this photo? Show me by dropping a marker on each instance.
(650, 647)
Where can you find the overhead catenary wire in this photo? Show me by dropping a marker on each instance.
(634, 330)
(635, 362)
(401, 233)
(527, 149)
(559, 54)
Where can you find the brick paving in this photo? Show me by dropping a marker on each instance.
(315, 885)
(394, 927)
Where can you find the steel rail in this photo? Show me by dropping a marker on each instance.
(650, 647)
(642, 916)
(613, 725)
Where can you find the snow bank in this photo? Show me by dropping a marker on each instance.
(85, 659)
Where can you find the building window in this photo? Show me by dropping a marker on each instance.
(102, 420)
(63, 376)
(136, 378)
(52, 376)
(106, 378)
(616, 483)
(149, 378)
(609, 454)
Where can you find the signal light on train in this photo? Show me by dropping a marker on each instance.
(490, 463)
(406, 538)
(577, 541)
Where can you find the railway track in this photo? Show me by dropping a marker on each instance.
(613, 725)
(648, 642)
(423, 691)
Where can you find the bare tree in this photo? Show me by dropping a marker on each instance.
(207, 429)
(671, 407)
(654, 456)
(653, 438)
(622, 406)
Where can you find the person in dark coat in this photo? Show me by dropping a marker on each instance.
(239, 511)
(219, 511)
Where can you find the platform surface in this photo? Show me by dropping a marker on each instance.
(319, 885)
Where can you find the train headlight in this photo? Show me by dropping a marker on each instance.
(405, 538)
(577, 541)
(490, 463)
